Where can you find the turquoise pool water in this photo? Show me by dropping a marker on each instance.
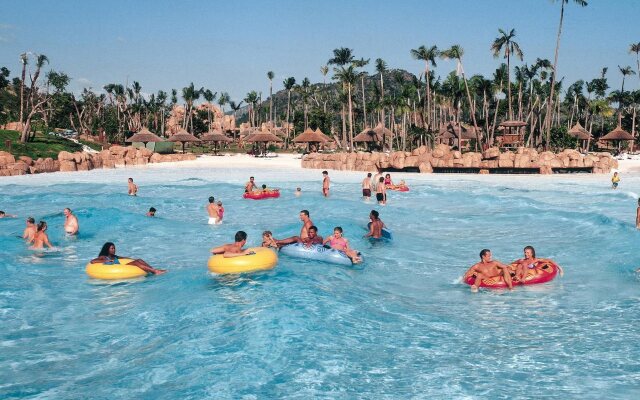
(398, 326)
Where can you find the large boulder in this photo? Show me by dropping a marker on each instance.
(67, 166)
(66, 156)
(491, 153)
(6, 159)
(425, 168)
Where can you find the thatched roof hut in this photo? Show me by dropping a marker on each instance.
(145, 136)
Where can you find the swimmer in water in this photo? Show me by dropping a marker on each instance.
(71, 226)
(340, 243)
(307, 224)
(638, 215)
(5, 215)
(108, 256)
(30, 230)
(234, 249)
(41, 239)
(213, 211)
(133, 188)
(529, 262)
(220, 211)
(487, 269)
(381, 192)
(298, 192)
(151, 212)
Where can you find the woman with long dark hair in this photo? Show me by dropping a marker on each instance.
(108, 256)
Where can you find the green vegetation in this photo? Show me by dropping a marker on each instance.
(42, 146)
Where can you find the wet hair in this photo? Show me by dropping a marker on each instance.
(68, 209)
(211, 199)
(104, 252)
(375, 213)
(305, 212)
(31, 220)
(484, 252)
(240, 236)
(533, 251)
(130, 179)
(298, 190)
(325, 173)
(315, 228)
(338, 228)
(267, 233)
(369, 175)
(152, 210)
(264, 186)
(251, 177)
(2, 212)
(41, 226)
(389, 175)
(381, 179)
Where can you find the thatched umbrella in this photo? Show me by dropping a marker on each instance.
(216, 137)
(310, 136)
(326, 138)
(145, 136)
(263, 137)
(183, 137)
(618, 135)
(579, 132)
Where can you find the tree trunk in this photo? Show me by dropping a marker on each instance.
(350, 120)
(548, 116)
(286, 145)
(472, 112)
(364, 104)
(509, 84)
(24, 73)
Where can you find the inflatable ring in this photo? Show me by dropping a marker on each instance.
(260, 195)
(115, 271)
(316, 252)
(263, 259)
(541, 273)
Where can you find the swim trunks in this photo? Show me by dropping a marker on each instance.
(366, 192)
(379, 196)
(213, 221)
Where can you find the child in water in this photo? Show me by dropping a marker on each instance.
(615, 179)
(268, 240)
(220, 211)
(338, 242)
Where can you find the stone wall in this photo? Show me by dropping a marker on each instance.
(116, 156)
(442, 156)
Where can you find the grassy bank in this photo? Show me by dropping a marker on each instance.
(42, 145)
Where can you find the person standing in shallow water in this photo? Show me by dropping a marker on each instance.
(41, 239)
(638, 215)
(326, 182)
(381, 192)
(214, 211)
(615, 180)
(366, 187)
(133, 188)
(71, 226)
(30, 230)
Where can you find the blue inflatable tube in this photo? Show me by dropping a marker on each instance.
(316, 252)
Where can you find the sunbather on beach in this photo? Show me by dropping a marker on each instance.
(108, 256)
(340, 243)
(234, 249)
(487, 269)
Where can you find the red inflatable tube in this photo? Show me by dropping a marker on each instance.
(271, 194)
(542, 272)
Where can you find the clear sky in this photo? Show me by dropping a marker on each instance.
(230, 46)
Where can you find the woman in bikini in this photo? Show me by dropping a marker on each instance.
(338, 242)
(41, 239)
(108, 256)
(529, 262)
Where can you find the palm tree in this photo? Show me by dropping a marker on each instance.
(381, 68)
(361, 63)
(223, 100)
(209, 96)
(456, 52)
(428, 55)
(505, 42)
(252, 100)
(635, 48)
(348, 77)
(288, 84)
(324, 70)
(24, 59)
(548, 116)
(625, 72)
(190, 94)
(342, 57)
(270, 76)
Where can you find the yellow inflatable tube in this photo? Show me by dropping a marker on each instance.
(263, 259)
(115, 271)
